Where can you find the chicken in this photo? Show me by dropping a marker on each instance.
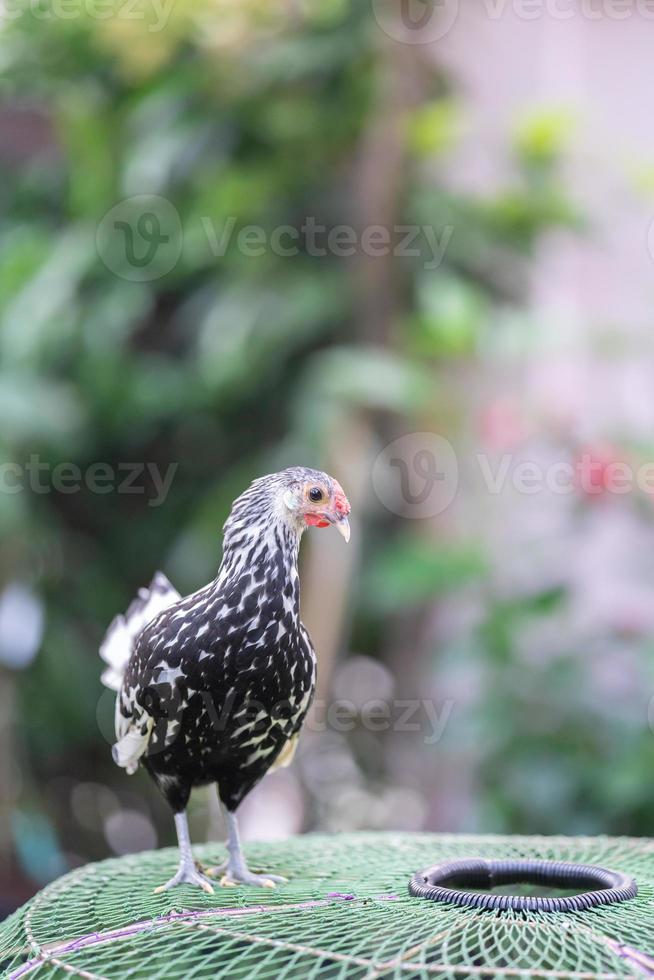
(214, 688)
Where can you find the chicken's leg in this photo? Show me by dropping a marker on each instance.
(235, 871)
(187, 873)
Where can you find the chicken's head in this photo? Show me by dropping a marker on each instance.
(314, 499)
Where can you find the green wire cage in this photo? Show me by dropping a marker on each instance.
(345, 913)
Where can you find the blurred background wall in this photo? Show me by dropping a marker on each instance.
(410, 244)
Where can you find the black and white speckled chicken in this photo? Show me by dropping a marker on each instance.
(214, 688)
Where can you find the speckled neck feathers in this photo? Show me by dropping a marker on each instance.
(262, 541)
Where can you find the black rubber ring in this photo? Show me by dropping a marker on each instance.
(603, 887)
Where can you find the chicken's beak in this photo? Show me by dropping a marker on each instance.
(342, 525)
(338, 514)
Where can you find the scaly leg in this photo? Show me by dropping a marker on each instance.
(187, 873)
(235, 869)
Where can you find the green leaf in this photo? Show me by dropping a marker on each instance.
(434, 127)
(451, 313)
(408, 572)
(543, 135)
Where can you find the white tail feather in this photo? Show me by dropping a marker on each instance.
(128, 750)
(285, 757)
(120, 639)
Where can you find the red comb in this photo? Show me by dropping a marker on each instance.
(341, 503)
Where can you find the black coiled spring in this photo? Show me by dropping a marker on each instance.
(601, 887)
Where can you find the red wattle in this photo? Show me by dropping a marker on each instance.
(316, 520)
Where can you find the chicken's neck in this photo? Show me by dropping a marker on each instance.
(261, 557)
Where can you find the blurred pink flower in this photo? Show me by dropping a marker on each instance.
(502, 424)
(596, 469)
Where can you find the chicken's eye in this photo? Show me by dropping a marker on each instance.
(315, 495)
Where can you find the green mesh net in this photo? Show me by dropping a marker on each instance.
(346, 912)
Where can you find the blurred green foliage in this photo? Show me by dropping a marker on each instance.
(231, 365)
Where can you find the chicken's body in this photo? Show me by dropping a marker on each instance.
(227, 675)
(216, 686)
